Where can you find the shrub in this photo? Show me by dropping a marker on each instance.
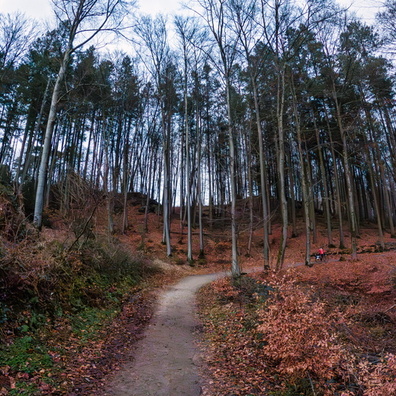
(298, 339)
(43, 279)
(12, 220)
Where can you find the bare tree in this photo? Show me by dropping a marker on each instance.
(16, 34)
(279, 17)
(216, 14)
(82, 20)
(189, 36)
(153, 34)
(244, 15)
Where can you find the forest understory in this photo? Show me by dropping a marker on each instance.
(71, 312)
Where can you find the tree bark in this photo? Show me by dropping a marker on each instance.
(42, 176)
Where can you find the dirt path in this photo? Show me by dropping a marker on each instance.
(166, 361)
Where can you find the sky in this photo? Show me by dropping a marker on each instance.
(41, 9)
(365, 9)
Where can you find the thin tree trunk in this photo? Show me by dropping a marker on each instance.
(281, 168)
(42, 177)
(125, 185)
(326, 196)
(263, 179)
(292, 197)
(188, 184)
(337, 188)
(199, 190)
(235, 268)
(388, 205)
(348, 179)
(166, 195)
(304, 187)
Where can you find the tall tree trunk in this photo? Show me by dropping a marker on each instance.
(188, 175)
(263, 179)
(325, 188)
(337, 183)
(312, 213)
(199, 188)
(106, 180)
(348, 178)
(281, 166)
(388, 205)
(250, 191)
(304, 186)
(125, 223)
(292, 189)
(375, 200)
(42, 177)
(166, 192)
(235, 268)
(28, 154)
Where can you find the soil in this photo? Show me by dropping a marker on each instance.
(166, 361)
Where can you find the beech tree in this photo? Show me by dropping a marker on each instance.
(16, 35)
(190, 38)
(158, 62)
(387, 20)
(244, 16)
(82, 20)
(216, 15)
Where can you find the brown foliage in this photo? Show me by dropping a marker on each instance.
(300, 341)
(12, 220)
(292, 341)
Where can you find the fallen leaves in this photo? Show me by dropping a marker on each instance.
(81, 357)
(294, 341)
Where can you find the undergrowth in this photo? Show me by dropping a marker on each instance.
(51, 292)
(275, 337)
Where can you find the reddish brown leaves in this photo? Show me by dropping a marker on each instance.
(294, 340)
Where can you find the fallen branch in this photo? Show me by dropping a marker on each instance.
(393, 306)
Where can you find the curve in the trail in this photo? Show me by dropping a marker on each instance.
(166, 359)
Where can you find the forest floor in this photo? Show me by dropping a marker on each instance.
(168, 360)
(152, 347)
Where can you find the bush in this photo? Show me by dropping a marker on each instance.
(299, 341)
(12, 220)
(43, 279)
(282, 341)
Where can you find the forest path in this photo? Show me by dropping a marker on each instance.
(166, 360)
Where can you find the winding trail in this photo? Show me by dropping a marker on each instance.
(166, 360)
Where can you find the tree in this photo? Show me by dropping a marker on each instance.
(16, 35)
(244, 15)
(158, 62)
(190, 38)
(387, 21)
(82, 20)
(216, 15)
